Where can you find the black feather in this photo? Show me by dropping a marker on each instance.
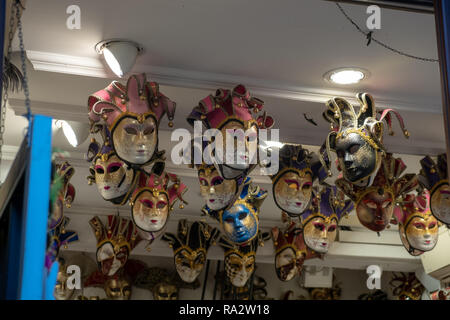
(12, 77)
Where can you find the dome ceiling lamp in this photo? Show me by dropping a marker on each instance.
(119, 54)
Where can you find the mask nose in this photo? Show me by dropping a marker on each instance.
(212, 190)
(348, 159)
(427, 234)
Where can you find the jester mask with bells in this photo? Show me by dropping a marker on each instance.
(407, 286)
(217, 192)
(240, 221)
(62, 193)
(57, 238)
(190, 246)
(239, 260)
(231, 110)
(292, 185)
(119, 285)
(290, 252)
(115, 180)
(375, 204)
(320, 223)
(357, 138)
(115, 241)
(153, 200)
(418, 228)
(132, 114)
(434, 177)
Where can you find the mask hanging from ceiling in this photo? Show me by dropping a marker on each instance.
(153, 200)
(292, 185)
(418, 228)
(320, 223)
(190, 247)
(163, 284)
(407, 286)
(240, 221)
(357, 138)
(62, 192)
(57, 238)
(87, 267)
(434, 177)
(132, 114)
(231, 110)
(290, 251)
(115, 180)
(119, 285)
(239, 260)
(115, 241)
(375, 204)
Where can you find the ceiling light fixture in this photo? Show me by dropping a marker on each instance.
(120, 55)
(346, 76)
(75, 132)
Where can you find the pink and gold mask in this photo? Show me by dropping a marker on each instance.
(132, 114)
(418, 227)
(153, 200)
(215, 190)
(292, 191)
(375, 204)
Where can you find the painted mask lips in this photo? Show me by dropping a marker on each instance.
(107, 187)
(153, 221)
(211, 200)
(427, 241)
(298, 204)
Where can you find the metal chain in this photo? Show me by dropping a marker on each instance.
(24, 71)
(369, 34)
(5, 93)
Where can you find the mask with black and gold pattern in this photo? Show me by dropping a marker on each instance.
(190, 246)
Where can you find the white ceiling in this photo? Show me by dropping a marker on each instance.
(280, 50)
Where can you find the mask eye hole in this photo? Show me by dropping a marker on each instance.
(99, 170)
(203, 182)
(432, 225)
(161, 204)
(386, 204)
(229, 220)
(147, 203)
(113, 168)
(292, 184)
(217, 181)
(306, 186)
(242, 215)
(370, 204)
(319, 226)
(340, 153)
(149, 130)
(419, 225)
(354, 148)
(131, 130)
(332, 228)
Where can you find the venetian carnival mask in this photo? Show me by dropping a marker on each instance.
(114, 178)
(321, 222)
(407, 286)
(57, 238)
(357, 138)
(61, 291)
(375, 204)
(418, 228)
(119, 285)
(215, 190)
(240, 221)
(132, 114)
(292, 185)
(231, 113)
(289, 257)
(62, 193)
(190, 246)
(240, 260)
(114, 242)
(434, 177)
(153, 200)
(165, 291)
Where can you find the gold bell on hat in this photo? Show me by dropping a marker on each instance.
(181, 206)
(170, 124)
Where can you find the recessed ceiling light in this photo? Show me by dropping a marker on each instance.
(120, 55)
(346, 76)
